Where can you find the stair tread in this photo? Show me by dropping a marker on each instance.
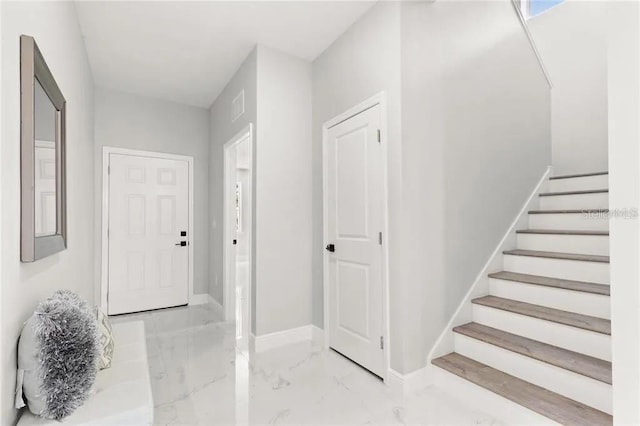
(577, 175)
(585, 365)
(561, 232)
(558, 255)
(542, 401)
(582, 286)
(569, 211)
(587, 191)
(572, 319)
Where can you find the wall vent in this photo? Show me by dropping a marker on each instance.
(237, 106)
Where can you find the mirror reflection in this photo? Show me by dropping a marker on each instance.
(45, 116)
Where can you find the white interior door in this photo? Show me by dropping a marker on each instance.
(148, 233)
(355, 222)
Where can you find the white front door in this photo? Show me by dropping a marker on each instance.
(355, 222)
(148, 233)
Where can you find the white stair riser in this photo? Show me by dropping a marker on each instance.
(577, 201)
(580, 388)
(594, 272)
(580, 244)
(486, 401)
(579, 184)
(570, 221)
(575, 339)
(595, 305)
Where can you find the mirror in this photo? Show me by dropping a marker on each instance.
(43, 215)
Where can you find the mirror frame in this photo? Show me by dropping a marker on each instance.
(32, 67)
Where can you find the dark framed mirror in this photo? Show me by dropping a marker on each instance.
(43, 223)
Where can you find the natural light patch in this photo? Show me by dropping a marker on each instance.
(532, 8)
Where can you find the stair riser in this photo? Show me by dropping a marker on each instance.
(579, 244)
(578, 201)
(566, 300)
(572, 338)
(579, 184)
(486, 401)
(567, 383)
(570, 221)
(594, 272)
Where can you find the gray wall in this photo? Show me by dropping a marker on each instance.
(221, 131)
(362, 62)
(283, 193)
(572, 39)
(469, 136)
(55, 28)
(476, 139)
(277, 94)
(136, 122)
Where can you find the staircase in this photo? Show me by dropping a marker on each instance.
(542, 337)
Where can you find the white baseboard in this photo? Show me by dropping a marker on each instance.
(406, 384)
(217, 307)
(464, 313)
(198, 299)
(286, 337)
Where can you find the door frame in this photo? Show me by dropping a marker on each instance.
(229, 310)
(381, 100)
(106, 152)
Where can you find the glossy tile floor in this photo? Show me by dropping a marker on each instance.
(199, 378)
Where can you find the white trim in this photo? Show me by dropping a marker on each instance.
(229, 307)
(407, 384)
(378, 99)
(217, 307)
(480, 287)
(106, 152)
(199, 299)
(278, 339)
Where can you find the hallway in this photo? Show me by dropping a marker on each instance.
(199, 378)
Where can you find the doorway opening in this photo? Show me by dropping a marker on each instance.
(238, 232)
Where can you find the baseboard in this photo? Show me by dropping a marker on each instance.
(406, 384)
(269, 341)
(217, 307)
(198, 299)
(463, 313)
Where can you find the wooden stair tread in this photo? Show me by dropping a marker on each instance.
(570, 211)
(553, 282)
(578, 175)
(557, 255)
(542, 401)
(573, 361)
(587, 191)
(572, 319)
(561, 232)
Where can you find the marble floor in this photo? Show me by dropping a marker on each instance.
(200, 378)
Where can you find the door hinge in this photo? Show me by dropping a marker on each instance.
(380, 237)
(381, 342)
(108, 170)
(379, 138)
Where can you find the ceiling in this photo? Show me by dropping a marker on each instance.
(186, 51)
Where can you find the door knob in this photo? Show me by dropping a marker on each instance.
(181, 243)
(235, 242)
(331, 248)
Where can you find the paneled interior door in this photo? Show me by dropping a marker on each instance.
(355, 220)
(148, 233)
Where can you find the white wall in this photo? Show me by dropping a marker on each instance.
(469, 137)
(571, 38)
(362, 62)
(624, 194)
(55, 28)
(222, 130)
(283, 193)
(137, 122)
